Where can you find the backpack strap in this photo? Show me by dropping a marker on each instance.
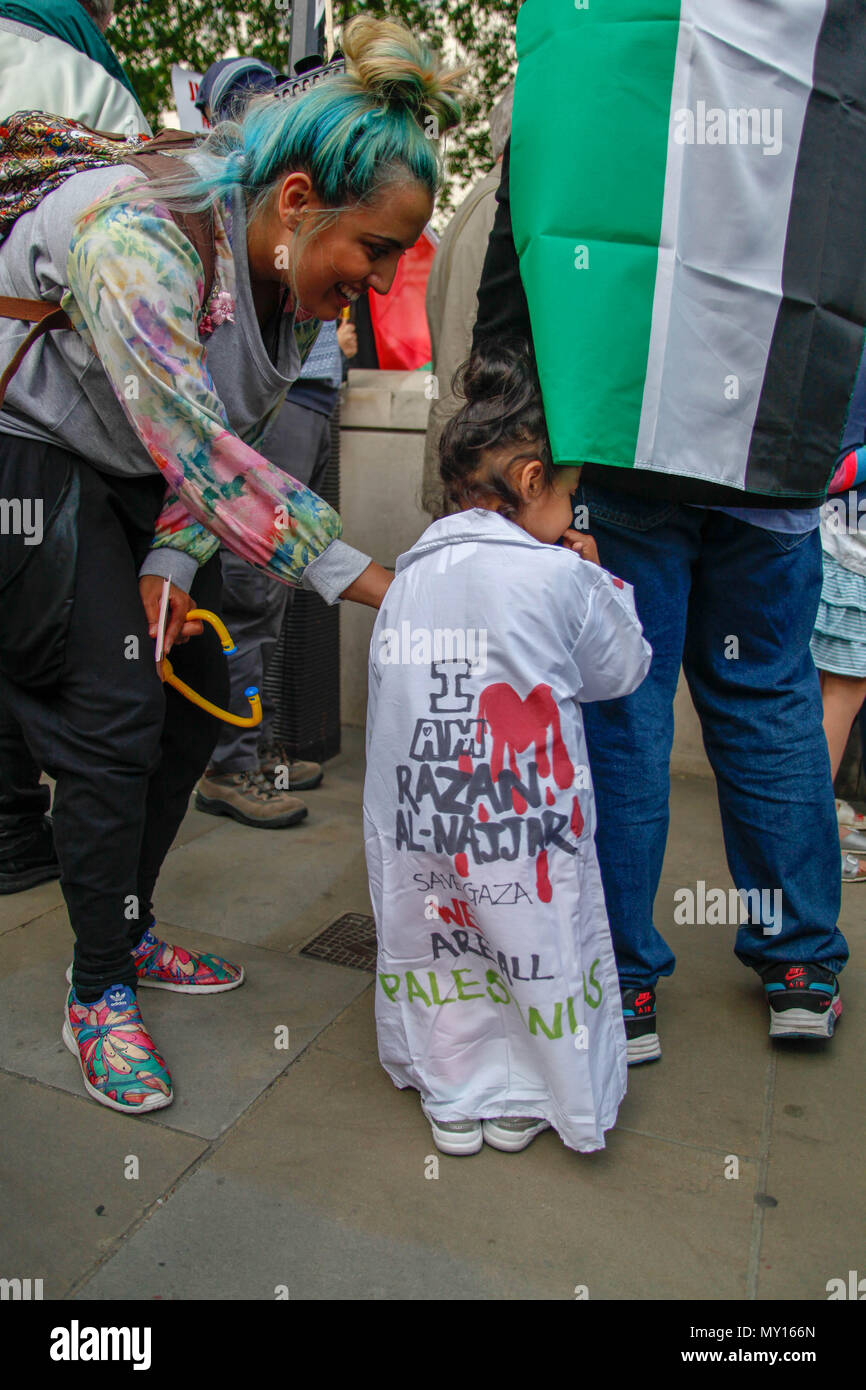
(47, 316)
(198, 227)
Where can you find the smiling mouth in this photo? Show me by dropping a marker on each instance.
(346, 292)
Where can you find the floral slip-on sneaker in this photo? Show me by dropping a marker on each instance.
(161, 966)
(118, 1057)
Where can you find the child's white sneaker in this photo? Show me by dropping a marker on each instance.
(456, 1137)
(510, 1134)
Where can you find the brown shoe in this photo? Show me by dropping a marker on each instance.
(248, 798)
(288, 774)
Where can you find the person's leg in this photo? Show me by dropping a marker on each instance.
(842, 698)
(750, 670)
(232, 784)
(189, 735)
(300, 443)
(97, 730)
(652, 546)
(27, 854)
(252, 605)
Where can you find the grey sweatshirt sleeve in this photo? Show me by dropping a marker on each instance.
(331, 573)
(174, 564)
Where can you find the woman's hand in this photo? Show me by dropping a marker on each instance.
(371, 586)
(582, 543)
(179, 604)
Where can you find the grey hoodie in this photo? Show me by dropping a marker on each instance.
(61, 393)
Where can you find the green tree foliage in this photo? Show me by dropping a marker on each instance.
(149, 37)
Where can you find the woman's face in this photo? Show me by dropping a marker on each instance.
(358, 252)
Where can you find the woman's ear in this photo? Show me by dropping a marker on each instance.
(293, 197)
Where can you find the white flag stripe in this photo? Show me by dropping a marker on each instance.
(719, 277)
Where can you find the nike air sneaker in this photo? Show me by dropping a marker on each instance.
(804, 1000)
(161, 966)
(639, 1013)
(118, 1058)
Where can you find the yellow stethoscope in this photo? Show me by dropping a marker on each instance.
(166, 673)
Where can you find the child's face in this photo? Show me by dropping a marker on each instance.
(547, 510)
(360, 251)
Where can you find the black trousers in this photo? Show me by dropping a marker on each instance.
(125, 750)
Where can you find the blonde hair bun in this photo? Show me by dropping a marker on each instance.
(394, 67)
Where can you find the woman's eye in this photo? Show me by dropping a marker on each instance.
(376, 251)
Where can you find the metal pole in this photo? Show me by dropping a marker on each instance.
(329, 30)
(306, 36)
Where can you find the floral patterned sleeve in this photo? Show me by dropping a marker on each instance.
(135, 285)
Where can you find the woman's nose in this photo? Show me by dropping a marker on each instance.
(382, 278)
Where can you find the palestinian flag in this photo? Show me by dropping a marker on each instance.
(688, 197)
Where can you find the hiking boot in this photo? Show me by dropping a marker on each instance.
(456, 1137)
(803, 998)
(287, 774)
(639, 1013)
(118, 1058)
(510, 1135)
(248, 798)
(31, 861)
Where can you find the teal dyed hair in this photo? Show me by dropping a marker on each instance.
(377, 124)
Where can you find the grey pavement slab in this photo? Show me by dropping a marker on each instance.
(816, 1173)
(220, 1049)
(261, 886)
(316, 1163)
(322, 1188)
(17, 908)
(67, 1198)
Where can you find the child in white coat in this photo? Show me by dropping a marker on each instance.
(497, 995)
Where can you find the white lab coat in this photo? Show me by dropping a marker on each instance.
(497, 991)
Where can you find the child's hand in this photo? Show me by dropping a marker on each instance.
(582, 543)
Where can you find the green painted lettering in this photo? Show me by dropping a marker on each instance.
(494, 979)
(593, 1003)
(434, 990)
(536, 1022)
(392, 987)
(414, 990)
(464, 970)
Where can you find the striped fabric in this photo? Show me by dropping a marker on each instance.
(839, 639)
(688, 189)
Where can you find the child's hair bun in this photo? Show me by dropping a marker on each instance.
(501, 376)
(502, 408)
(393, 67)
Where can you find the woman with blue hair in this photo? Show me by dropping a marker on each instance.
(138, 435)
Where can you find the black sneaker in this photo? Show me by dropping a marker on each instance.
(803, 998)
(639, 1012)
(32, 861)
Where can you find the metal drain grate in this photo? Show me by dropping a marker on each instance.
(351, 940)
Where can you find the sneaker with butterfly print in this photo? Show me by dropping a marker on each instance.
(119, 1060)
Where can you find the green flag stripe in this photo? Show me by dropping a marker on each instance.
(588, 157)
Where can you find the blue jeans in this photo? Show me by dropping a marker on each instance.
(702, 578)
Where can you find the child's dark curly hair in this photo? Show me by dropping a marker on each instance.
(503, 411)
